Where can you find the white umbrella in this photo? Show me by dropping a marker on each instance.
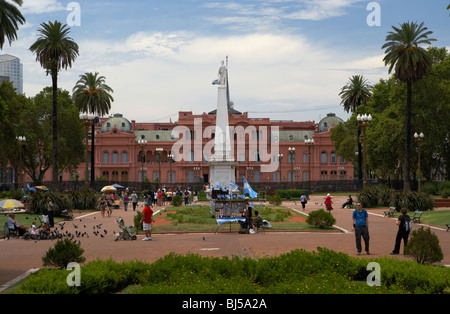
(108, 188)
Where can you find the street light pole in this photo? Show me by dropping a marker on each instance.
(22, 140)
(419, 139)
(363, 122)
(292, 154)
(171, 157)
(142, 144)
(159, 150)
(280, 157)
(309, 143)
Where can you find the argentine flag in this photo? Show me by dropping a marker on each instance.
(220, 186)
(248, 189)
(234, 185)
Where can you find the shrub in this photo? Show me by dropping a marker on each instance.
(380, 195)
(291, 194)
(177, 201)
(64, 252)
(320, 218)
(444, 185)
(275, 200)
(445, 193)
(430, 188)
(424, 247)
(38, 202)
(137, 220)
(83, 199)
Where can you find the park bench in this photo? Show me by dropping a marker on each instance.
(390, 212)
(10, 232)
(417, 216)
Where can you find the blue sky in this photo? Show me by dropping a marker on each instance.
(288, 59)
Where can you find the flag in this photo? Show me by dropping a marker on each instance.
(220, 186)
(248, 189)
(234, 185)
(211, 208)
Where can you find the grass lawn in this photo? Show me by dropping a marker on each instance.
(199, 218)
(436, 217)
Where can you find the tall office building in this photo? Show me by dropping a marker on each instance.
(11, 67)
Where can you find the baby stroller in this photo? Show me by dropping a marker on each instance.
(127, 232)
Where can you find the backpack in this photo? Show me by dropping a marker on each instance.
(407, 225)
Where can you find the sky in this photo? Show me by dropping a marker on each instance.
(287, 59)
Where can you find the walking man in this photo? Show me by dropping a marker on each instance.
(361, 228)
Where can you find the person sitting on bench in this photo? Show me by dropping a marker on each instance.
(349, 202)
(14, 225)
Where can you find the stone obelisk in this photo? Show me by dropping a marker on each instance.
(222, 164)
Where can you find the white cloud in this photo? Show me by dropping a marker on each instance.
(41, 6)
(173, 71)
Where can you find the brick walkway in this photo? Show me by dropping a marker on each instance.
(19, 256)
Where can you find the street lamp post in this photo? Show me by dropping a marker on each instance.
(309, 143)
(22, 140)
(87, 121)
(291, 151)
(142, 144)
(171, 158)
(280, 157)
(363, 122)
(419, 139)
(159, 151)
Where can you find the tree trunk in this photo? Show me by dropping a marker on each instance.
(406, 165)
(55, 127)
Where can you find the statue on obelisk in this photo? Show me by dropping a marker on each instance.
(222, 165)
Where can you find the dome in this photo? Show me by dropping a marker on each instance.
(329, 121)
(116, 121)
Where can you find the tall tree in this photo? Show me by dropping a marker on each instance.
(10, 17)
(92, 95)
(354, 94)
(54, 50)
(410, 63)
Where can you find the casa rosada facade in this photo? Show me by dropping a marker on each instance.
(265, 151)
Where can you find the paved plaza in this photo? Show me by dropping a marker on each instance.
(18, 256)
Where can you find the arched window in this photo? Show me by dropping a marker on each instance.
(323, 158)
(106, 157)
(115, 157)
(124, 157)
(333, 158)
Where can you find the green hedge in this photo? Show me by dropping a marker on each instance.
(298, 271)
(77, 199)
(373, 196)
(291, 194)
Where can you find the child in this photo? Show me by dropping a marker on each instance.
(147, 222)
(33, 228)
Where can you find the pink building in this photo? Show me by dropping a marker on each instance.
(118, 154)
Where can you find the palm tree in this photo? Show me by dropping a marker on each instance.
(410, 63)
(357, 92)
(10, 16)
(55, 51)
(354, 94)
(91, 94)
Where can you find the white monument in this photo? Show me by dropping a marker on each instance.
(222, 164)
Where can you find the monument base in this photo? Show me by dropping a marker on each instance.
(222, 172)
